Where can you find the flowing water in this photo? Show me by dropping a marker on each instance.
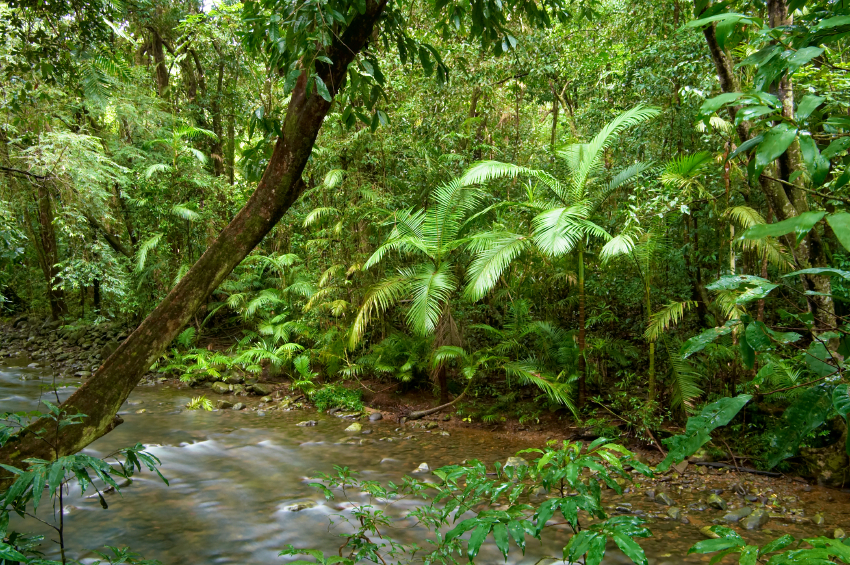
(236, 478)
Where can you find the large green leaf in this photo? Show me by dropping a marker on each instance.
(818, 360)
(820, 271)
(775, 143)
(841, 403)
(699, 427)
(698, 342)
(840, 224)
(711, 105)
(807, 105)
(807, 413)
(799, 225)
(816, 164)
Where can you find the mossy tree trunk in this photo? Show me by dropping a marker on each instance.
(104, 393)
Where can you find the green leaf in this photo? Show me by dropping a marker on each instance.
(500, 534)
(698, 343)
(807, 413)
(517, 531)
(841, 399)
(712, 545)
(777, 544)
(775, 143)
(746, 146)
(749, 555)
(711, 105)
(820, 271)
(630, 547)
(699, 427)
(818, 358)
(816, 164)
(807, 105)
(840, 224)
(322, 88)
(476, 539)
(799, 225)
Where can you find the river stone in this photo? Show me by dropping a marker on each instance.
(431, 425)
(650, 494)
(516, 462)
(354, 428)
(422, 468)
(300, 506)
(223, 405)
(33, 366)
(664, 499)
(716, 502)
(261, 389)
(737, 515)
(238, 406)
(756, 520)
(375, 416)
(83, 374)
(220, 388)
(306, 423)
(675, 512)
(233, 379)
(839, 534)
(818, 519)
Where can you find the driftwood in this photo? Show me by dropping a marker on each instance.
(422, 413)
(742, 469)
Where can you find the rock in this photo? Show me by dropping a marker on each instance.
(716, 502)
(839, 534)
(674, 512)
(706, 531)
(300, 506)
(83, 374)
(233, 379)
(307, 423)
(680, 468)
(664, 499)
(516, 462)
(221, 388)
(431, 425)
(447, 418)
(238, 389)
(828, 465)
(756, 519)
(737, 515)
(260, 389)
(238, 406)
(375, 416)
(422, 468)
(223, 405)
(108, 349)
(142, 411)
(818, 519)
(332, 411)
(697, 507)
(650, 494)
(354, 428)
(33, 366)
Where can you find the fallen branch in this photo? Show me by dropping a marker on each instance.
(741, 469)
(422, 413)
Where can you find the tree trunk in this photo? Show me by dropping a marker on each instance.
(103, 394)
(582, 364)
(786, 202)
(160, 69)
(50, 253)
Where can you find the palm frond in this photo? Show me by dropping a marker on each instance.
(528, 372)
(317, 214)
(684, 382)
(430, 287)
(380, 297)
(145, 248)
(668, 316)
(185, 212)
(494, 253)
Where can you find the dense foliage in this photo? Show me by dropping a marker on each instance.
(601, 208)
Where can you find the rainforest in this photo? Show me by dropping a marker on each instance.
(440, 281)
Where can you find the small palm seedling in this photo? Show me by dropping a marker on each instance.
(200, 403)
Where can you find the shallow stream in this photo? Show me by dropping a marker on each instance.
(237, 478)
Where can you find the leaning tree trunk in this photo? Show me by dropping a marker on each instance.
(104, 393)
(582, 341)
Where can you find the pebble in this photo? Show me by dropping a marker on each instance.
(307, 423)
(375, 416)
(674, 513)
(300, 506)
(422, 468)
(238, 406)
(715, 501)
(737, 515)
(354, 428)
(839, 534)
(756, 520)
(664, 499)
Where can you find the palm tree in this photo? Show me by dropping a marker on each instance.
(564, 223)
(434, 237)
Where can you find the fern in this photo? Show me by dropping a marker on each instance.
(684, 382)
